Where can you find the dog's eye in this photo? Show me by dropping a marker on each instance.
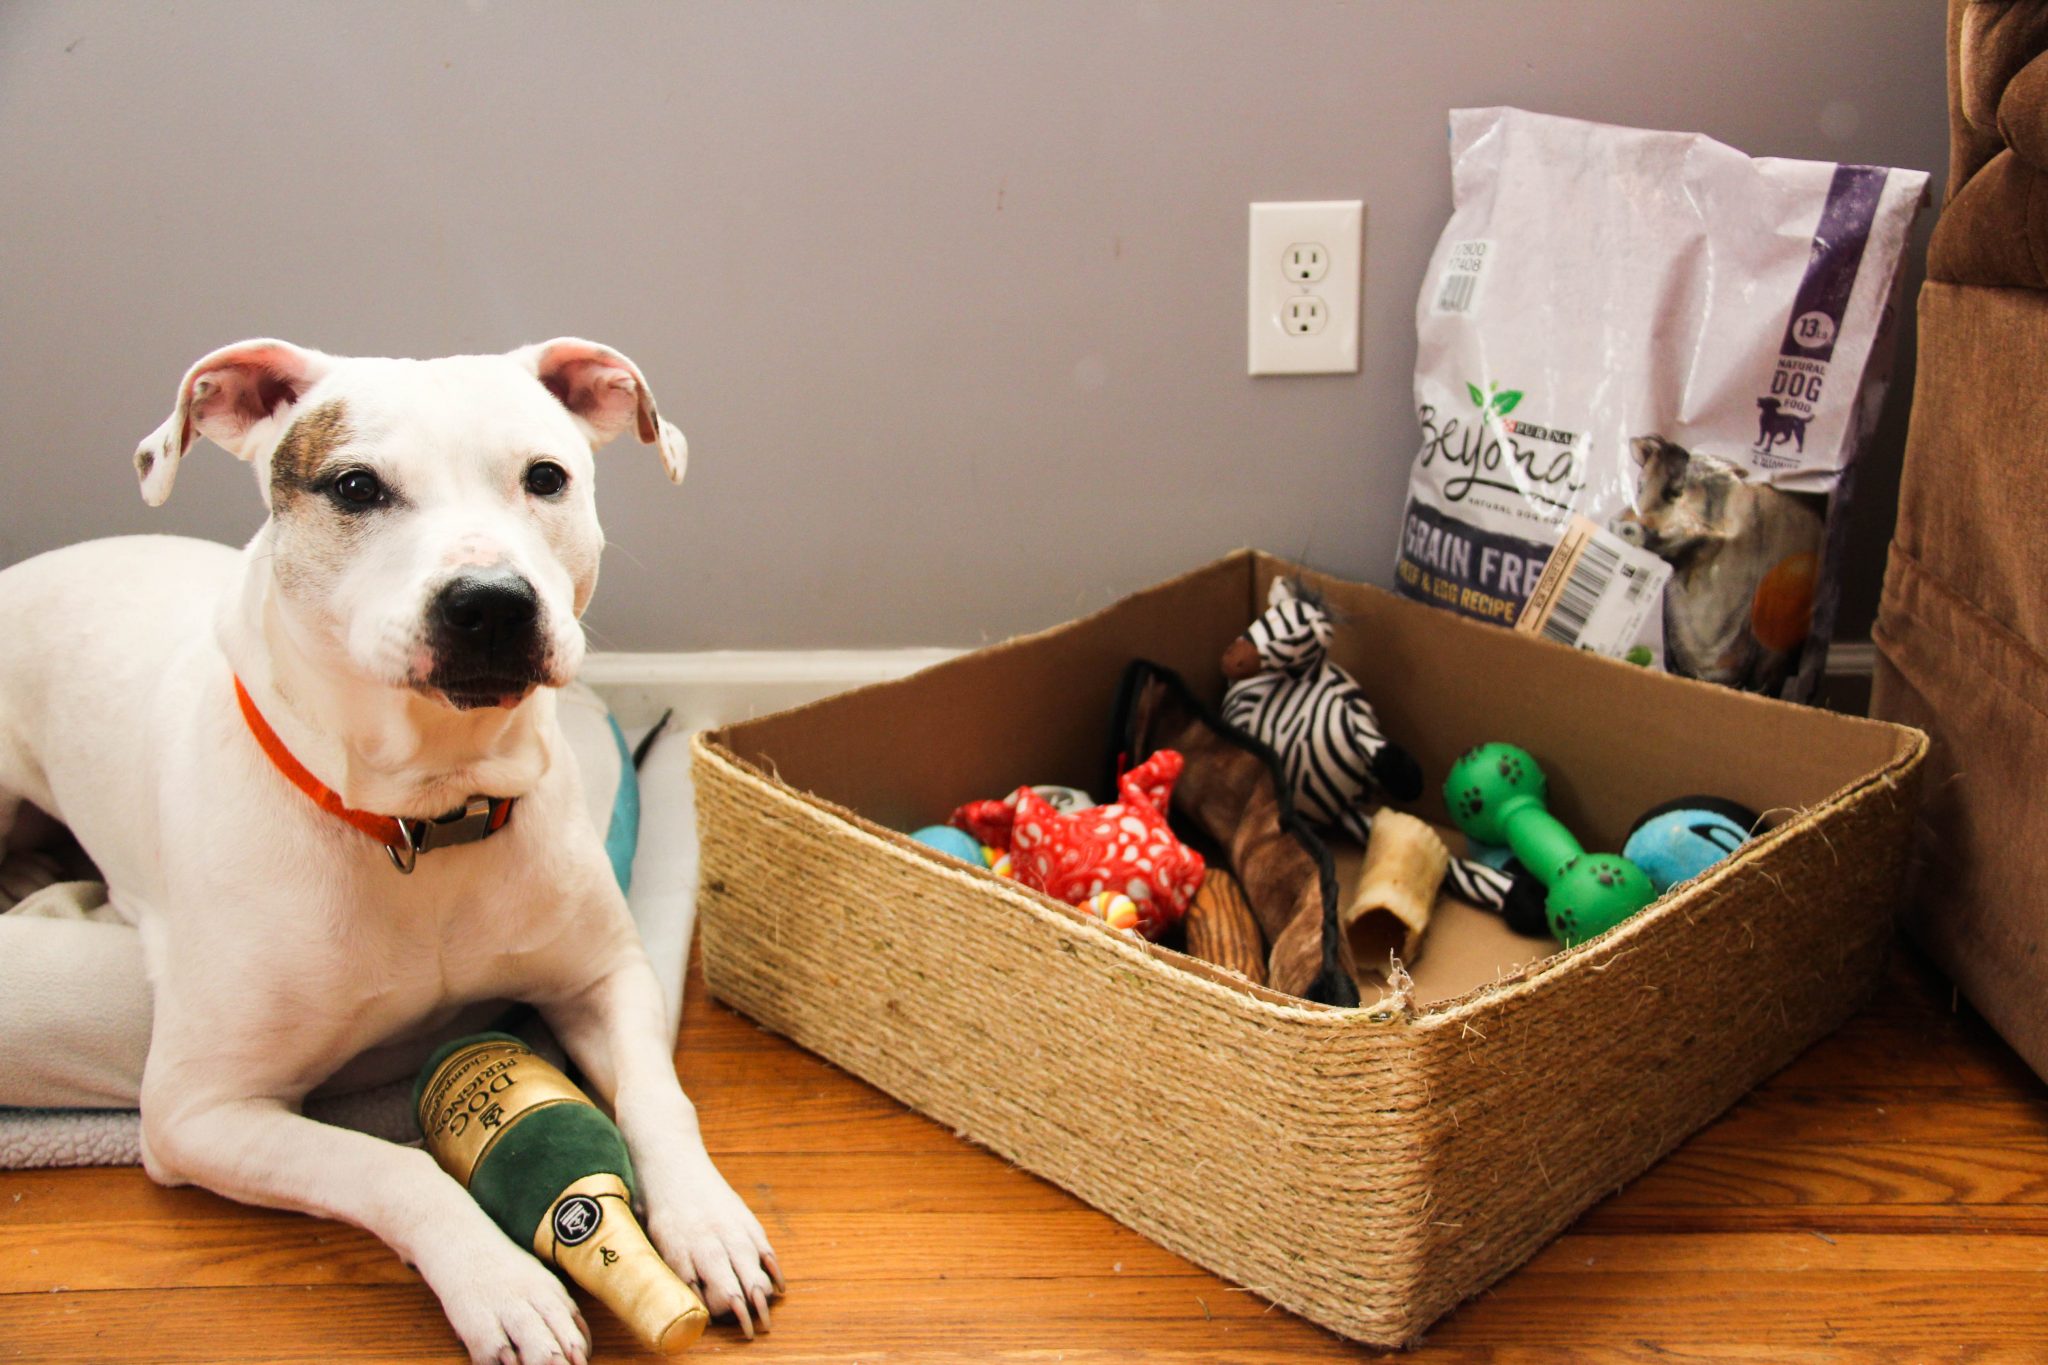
(358, 488)
(545, 478)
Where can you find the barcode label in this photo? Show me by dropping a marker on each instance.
(1595, 593)
(1457, 290)
(1456, 295)
(1583, 588)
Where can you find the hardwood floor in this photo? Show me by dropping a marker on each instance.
(1884, 1199)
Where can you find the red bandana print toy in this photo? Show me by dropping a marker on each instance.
(1091, 857)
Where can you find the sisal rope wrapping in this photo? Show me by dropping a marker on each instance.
(1368, 1169)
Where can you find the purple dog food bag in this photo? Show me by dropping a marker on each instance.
(1646, 365)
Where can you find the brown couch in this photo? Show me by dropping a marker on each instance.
(1962, 633)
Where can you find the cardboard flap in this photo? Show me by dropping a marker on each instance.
(1032, 710)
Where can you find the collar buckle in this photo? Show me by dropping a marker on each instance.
(477, 818)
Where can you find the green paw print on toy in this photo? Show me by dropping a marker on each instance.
(1497, 771)
(1496, 795)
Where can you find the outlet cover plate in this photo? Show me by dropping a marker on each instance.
(1336, 225)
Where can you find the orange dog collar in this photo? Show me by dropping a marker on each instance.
(404, 840)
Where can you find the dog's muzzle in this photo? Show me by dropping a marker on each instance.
(486, 638)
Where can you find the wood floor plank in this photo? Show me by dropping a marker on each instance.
(1624, 1215)
(1913, 1052)
(1782, 1117)
(1792, 1253)
(220, 1253)
(1870, 1308)
(1664, 1350)
(92, 1194)
(1959, 1171)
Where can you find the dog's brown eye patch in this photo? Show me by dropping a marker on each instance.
(296, 467)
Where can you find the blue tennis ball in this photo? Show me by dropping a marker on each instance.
(957, 842)
(1677, 842)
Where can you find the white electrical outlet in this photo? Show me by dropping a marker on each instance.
(1307, 262)
(1303, 287)
(1305, 315)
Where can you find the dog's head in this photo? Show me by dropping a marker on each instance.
(1682, 504)
(432, 524)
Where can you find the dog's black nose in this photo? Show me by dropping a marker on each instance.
(488, 612)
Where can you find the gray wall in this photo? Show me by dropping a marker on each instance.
(948, 297)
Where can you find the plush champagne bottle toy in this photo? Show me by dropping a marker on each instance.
(552, 1170)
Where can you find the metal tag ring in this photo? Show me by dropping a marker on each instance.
(407, 860)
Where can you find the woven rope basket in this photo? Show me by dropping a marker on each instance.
(1368, 1169)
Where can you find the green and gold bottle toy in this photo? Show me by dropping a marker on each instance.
(552, 1170)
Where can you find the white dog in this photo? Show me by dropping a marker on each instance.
(257, 749)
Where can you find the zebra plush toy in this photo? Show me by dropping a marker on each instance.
(1285, 692)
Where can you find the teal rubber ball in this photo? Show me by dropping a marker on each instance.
(1678, 842)
(946, 839)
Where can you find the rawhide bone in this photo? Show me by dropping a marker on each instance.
(1404, 866)
(1233, 793)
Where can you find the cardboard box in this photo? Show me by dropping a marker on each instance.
(1366, 1168)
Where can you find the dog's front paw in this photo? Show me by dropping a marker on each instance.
(508, 1308)
(707, 1233)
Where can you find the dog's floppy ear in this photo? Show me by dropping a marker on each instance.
(237, 396)
(605, 392)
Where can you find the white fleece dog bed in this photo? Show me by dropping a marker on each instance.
(90, 1089)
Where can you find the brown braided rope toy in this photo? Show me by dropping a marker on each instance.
(1233, 793)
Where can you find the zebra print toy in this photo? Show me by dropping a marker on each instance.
(1287, 694)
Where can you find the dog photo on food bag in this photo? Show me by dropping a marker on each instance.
(326, 779)
(1743, 555)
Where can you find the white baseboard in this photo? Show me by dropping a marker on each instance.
(717, 687)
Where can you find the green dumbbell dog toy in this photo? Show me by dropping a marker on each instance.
(1495, 793)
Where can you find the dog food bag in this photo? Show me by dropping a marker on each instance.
(1646, 363)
